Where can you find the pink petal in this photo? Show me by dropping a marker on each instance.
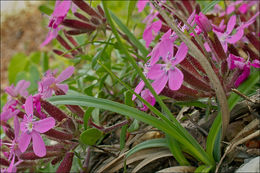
(147, 96)
(28, 106)
(44, 125)
(38, 144)
(11, 91)
(16, 127)
(231, 24)
(47, 82)
(47, 93)
(51, 35)
(225, 46)
(21, 87)
(63, 87)
(139, 88)
(151, 31)
(243, 8)
(166, 49)
(155, 72)
(236, 37)
(181, 54)
(11, 167)
(24, 141)
(243, 76)
(160, 83)
(255, 63)
(175, 79)
(65, 74)
(62, 8)
(141, 4)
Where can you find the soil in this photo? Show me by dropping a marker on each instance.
(20, 32)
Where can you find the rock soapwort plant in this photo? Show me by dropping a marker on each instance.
(187, 53)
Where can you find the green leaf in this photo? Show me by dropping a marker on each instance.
(213, 136)
(133, 39)
(17, 64)
(128, 111)
(90, 136)
(203, 169)
(131, 7)
(86, 117)
(180, 134)
(34, 77)
(210, 6)
(122, 136)
(45, 62)
(45, 9)
(161, 142)
(194, 103)
(128, 98)
(175, 148)
(134, 126)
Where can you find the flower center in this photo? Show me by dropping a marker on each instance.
(168, 66)
(29, 126)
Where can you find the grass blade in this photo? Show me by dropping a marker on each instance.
(129, 34)
(211, 146)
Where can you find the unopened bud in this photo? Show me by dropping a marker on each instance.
(203, 22)
(66, 164)
(78, 25)
(33, 156)
(61, 53)
(59, 135)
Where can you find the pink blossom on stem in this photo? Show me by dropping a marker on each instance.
(203, 22)
(20, 89)
(49, 83)
(141, 4)
(58, 15)
(163, 73)
(226, 37)
(242, 64)
(151, 31)
(31, 129)
(12, 167)
(146, 95)
(163, 48)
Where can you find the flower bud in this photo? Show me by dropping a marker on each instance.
(59, 135)
(78, 25)
(66, 164)
(33, 156)
(203, 22)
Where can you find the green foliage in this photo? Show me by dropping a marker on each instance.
(90, 136)
(213, 140)
(17, 64)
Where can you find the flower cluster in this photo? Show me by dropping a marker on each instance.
(31, 121)
(228, 33)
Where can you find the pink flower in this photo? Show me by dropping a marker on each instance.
(141, 4)
(203, 22)
(163, 73)
(226, 37)
(151, 31)
(243, 25)
(242, 64)
(12, 167)
(49, 83)
(163, 49)
(20, 89)
(31, 129)
(146, 95)
(58, 15)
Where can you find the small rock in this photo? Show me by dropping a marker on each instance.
(252, 165)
